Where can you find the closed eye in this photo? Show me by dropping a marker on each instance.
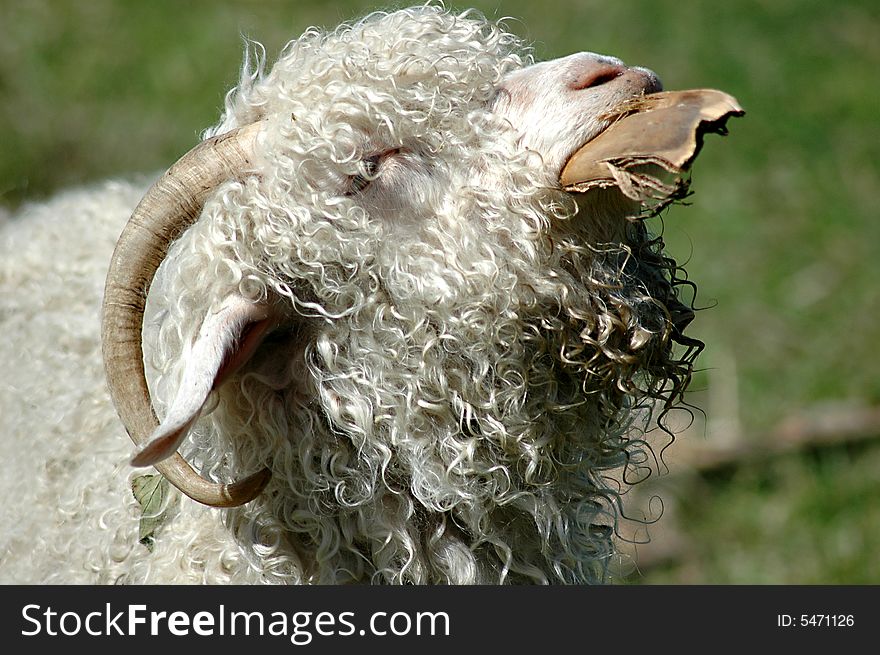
(371, 167)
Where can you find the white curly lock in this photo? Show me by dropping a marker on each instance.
(456, 352)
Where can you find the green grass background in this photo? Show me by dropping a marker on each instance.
(782, 232)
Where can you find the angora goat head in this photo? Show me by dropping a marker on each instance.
(419, 356)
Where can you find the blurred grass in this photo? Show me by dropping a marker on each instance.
(781, 235)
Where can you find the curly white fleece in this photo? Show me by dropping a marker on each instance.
(459, 367)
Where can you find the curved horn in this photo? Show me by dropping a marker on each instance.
(171, 205)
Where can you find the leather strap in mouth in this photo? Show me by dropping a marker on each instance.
(646, 153)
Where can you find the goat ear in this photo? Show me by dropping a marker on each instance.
(226, 341)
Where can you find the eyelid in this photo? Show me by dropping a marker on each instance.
(372, 165)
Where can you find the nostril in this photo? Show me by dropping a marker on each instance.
(602, 79)
(596, 77)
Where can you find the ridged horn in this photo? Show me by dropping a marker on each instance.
(171, 205)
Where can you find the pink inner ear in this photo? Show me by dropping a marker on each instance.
(226, 341)
(246, 344)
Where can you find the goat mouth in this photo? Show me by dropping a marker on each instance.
(634, 85)
(608, 120)
(649, 144)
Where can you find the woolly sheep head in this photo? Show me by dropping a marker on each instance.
(389, 307)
